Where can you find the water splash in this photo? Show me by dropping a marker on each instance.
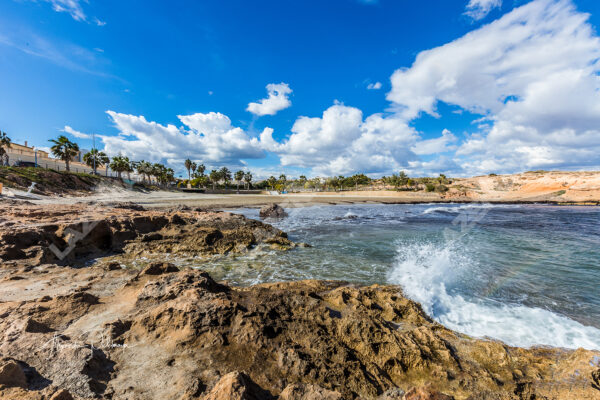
(431, 272)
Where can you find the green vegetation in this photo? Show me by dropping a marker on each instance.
(4, 146)
(64, 149)
(95, 159)
(120, 164)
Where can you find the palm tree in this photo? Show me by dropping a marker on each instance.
(129, 167)
(200, 170)
(225, 175)
(188, 166)
(120, 164)
(64, 149)
(215, 176)
(4, 146)
(144, 168)
(239, 175)
(248, 179)
(95, 159)
(272, 181)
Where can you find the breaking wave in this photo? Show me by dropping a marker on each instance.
(433, 273)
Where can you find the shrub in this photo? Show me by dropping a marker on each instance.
(429, 187)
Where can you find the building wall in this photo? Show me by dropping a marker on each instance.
(18, 152)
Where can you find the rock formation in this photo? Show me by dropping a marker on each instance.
(164, 333)
(272, 211)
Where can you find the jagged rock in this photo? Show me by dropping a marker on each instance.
(596, 378)
(11, 374)
(308, 392)
(272, 211)
(61, 394)
(159, 269)
(237, 386)
(176, 335)
(113, 266)
(392, 394)
(51, 235)
(425, 393)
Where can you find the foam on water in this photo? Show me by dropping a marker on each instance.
(429, 274)
(452, 209)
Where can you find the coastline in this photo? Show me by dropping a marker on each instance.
(311, 336)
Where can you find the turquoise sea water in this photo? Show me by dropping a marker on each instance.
(524, 274)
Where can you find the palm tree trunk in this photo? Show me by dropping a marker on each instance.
(67, 164)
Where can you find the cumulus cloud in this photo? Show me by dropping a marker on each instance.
(479, 9)
(77, 134)
(342, 142)
(440, 144)
(275, 102)
(374, 86)
(532, 74)
(208, 137)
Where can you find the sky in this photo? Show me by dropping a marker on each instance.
(312, 87)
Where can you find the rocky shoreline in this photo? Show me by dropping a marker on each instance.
(76, 327)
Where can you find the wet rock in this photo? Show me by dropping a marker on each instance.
(272, 211)
(237, 386)
(11, 374)
(159, 269)
(55, 235)
(113, 266)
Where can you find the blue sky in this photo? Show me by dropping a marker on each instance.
(498, 86)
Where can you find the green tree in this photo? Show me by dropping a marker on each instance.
(225, 175)
(64, 149)
(144, 168)
(200, 170)
(95, 159)
(402, 178)
(119, 164)
(272, 181)
(239, 175)
(188, 167)
(248, 179)
(215, 176)
(4, 146)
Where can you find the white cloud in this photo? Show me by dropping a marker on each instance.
(99, 22)
(210, 138)
(72, 7)
(479, 9)
(277, 100)
(440, 144)
(77, 134)
(532, 74)
(374, 86)
(341, 142)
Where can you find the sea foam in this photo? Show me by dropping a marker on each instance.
(430, 273)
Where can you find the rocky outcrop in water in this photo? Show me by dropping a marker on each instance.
(69, 234)
(272, 211)
(124, 334)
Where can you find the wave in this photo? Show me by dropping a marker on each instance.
(428, 273)
(446, 209)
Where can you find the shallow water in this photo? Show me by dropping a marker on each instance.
(524, 274)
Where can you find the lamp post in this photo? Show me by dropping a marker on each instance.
(94, 147)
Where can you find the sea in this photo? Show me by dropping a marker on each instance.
(527, 275)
